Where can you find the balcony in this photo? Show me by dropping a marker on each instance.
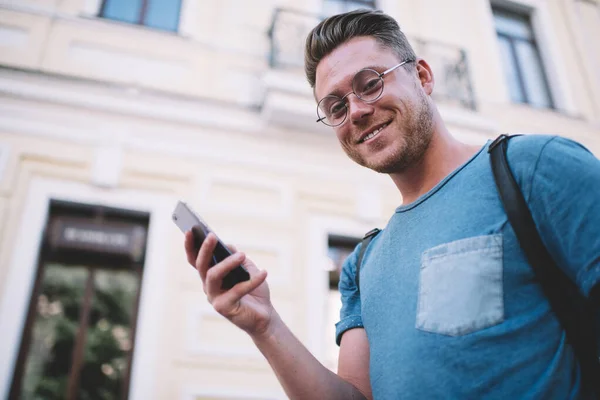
(287, 35)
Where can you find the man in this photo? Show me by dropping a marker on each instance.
(447, 307)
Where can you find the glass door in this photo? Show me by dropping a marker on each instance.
(78, 341)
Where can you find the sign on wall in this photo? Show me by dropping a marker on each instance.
(106, 237)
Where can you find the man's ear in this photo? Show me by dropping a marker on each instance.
(425, 75)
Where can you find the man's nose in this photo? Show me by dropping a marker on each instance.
(358, 109)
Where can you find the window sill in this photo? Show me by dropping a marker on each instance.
(529, 108)
(52, 14)
(94, 19)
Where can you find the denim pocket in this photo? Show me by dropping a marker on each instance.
(460, 289)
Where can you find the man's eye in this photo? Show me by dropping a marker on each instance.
(337, 108)
(371, 84)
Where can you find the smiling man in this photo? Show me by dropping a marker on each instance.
(375, 94)
(447, 306)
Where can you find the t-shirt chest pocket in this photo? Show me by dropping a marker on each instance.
(460, 288)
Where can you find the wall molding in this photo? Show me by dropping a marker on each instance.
(284, 192)
(193, 122)
(125, 100)
(195, 314)
(4, 155)
(194, 392)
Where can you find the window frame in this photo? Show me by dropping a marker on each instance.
(21, 272)
(48, 255)
(534, 43)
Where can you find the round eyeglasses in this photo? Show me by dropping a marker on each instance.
(367, 85)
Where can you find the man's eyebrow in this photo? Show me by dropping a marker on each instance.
(378, 68)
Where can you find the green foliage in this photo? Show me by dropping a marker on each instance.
(108, 339)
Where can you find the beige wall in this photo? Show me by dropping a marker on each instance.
(122, 112)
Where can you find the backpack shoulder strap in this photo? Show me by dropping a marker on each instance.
(565, 299)
(363, 248)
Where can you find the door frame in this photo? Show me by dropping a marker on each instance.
(22, 268)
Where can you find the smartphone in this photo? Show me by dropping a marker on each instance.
(188, 220)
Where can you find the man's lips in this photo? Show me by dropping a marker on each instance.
(371, 133)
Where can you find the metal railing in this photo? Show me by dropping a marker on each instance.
(287, 36)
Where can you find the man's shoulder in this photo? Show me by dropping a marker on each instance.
(528, 146)
(550, 160)
(352, 259)
(526, 149)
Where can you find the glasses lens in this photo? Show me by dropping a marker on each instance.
(332, 110)
(367, 85)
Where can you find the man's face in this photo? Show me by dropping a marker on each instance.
(404, 109)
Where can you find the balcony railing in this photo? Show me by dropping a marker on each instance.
(287, 35)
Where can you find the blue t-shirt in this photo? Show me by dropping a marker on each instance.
(449, 303)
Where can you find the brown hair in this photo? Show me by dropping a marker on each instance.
(338, 29)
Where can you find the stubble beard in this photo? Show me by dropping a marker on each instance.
(411, 147)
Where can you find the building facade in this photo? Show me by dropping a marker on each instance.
(111, 111)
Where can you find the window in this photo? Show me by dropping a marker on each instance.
(339, 249)
(331, 7)
(79, 337)
(159, 14)
(523, 67)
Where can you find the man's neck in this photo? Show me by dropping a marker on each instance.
(444, 155)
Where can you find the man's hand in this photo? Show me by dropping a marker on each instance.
(247, 304)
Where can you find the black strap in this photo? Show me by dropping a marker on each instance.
(570, 307)
(363, 248)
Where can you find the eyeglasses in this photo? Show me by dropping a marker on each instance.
(367, 85)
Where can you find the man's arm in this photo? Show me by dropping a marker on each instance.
(353, 363)
(304, 377)
(248, 306)
(564, 199)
